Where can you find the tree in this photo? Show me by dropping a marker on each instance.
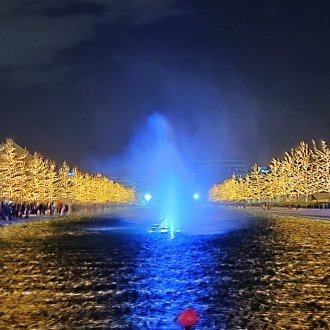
(52, 182)
(257, 183)
(277, 180)
(79, 186)
(65, 183)
(321, 168)
(228, 191)
(301, 170)
(37, 184)
(26, 178)
(13, 179)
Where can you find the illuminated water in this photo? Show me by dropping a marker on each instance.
(111, 274)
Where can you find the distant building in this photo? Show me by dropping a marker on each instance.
(127, 181)
(202, 176)
(215, 171)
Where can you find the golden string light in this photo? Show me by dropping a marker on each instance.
(34, 179)
(302, 172)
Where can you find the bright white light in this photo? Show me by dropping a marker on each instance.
(195, 196)
(147, 197)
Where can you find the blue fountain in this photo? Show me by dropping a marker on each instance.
(166, 178)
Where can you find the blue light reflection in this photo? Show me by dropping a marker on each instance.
(172, 280)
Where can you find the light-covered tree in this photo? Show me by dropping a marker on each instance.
(52, 182)
(78, 187)
(65, 183)
(301, 173)
(257, 183)
(13, 178)
(321, 167)
(26, 178)
(301, 170)
(277, 180)
(36, 189)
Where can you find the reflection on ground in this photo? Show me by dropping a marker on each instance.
(263, 273)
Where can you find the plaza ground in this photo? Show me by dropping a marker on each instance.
(321, 214)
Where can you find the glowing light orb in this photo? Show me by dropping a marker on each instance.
(195, 196)
(188, 318)
(147, 197)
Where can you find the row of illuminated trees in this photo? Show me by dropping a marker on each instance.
(300, 174)
(35, 179)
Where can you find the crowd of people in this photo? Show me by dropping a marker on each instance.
(10, 210)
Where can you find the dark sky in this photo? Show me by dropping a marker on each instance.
(241, 78)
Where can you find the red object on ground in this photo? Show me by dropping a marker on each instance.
(188, 318)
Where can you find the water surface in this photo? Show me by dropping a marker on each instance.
(105, 273)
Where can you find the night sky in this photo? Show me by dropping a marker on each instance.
(78, 79)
